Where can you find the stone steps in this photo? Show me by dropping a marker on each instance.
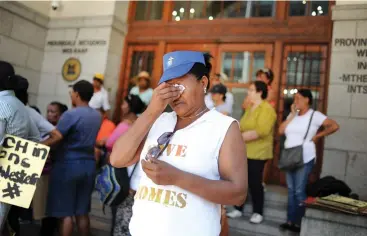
(266, 228)
(275, 213)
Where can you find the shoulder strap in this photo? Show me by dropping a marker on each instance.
(309, 124)
(132, 172)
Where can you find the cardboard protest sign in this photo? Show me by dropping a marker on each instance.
(21, 164)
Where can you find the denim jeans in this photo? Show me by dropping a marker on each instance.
(297, 181)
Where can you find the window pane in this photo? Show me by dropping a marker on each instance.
(149, 10)
(184, 10)
(262, 8)
(239, 65)
(319, 8)
(141, 61)
(308, 8)
(235, 9)
(303, 68)
(297, 8)
(259, 63)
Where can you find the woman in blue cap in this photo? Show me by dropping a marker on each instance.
(193, 159)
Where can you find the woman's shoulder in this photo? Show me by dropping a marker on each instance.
(220, 118)
(267, 107)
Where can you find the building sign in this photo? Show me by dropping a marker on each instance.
(73, 46)
(21, 164)
(71, 69)
(357, 82)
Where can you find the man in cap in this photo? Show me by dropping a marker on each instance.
(72, 176)
(143, 89)
(100, 96)
(220, 78)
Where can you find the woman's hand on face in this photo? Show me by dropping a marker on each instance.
(162, 96)
(160, 172)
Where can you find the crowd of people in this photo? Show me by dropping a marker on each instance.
(183, 166)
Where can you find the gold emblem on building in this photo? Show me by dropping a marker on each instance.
(71, 69)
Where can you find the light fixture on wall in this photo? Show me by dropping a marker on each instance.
(55, 5)
(174, 13)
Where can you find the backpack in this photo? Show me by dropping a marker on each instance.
(326, 186)
(112, 185)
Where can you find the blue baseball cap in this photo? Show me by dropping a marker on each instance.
(179, 63)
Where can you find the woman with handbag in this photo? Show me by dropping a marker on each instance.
(299, 155)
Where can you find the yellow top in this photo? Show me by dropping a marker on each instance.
(262, 119)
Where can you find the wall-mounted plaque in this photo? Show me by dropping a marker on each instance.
(71, 69)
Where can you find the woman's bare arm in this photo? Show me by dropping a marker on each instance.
(330, 126)
(230, 190)
(126, 147)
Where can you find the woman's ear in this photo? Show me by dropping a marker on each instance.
(205, 81)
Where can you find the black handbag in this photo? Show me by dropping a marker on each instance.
(292, 158)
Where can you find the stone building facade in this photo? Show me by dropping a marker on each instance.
(38, 41)
(345, 153)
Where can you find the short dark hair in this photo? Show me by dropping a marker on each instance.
(136, 105)
(200, 70)
(7, 81)
(21, 88)
(62, 107)
(220, 89)
(260, 86)
(84, 89)
(306, 93)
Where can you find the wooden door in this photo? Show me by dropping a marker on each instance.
(139, 58)
(201, 47)
(240, 63)
(303, 66)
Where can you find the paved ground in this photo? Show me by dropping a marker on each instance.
(32, 230)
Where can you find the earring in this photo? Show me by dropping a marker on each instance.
(204, 90)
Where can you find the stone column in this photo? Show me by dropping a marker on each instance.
(345, 154)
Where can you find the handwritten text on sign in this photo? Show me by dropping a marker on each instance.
(21, 164)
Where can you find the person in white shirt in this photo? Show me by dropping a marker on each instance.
(142, 89)
(219, 78)
(193, 159)
(219, 98)
(295, 129)
(100, 96)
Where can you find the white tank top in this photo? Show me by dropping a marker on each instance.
(169, 210)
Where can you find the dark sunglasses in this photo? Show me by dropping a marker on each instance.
(163, 142)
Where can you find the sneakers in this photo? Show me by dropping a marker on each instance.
(256, 218)
(234, 214)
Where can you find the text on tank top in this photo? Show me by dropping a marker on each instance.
(170, 210)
